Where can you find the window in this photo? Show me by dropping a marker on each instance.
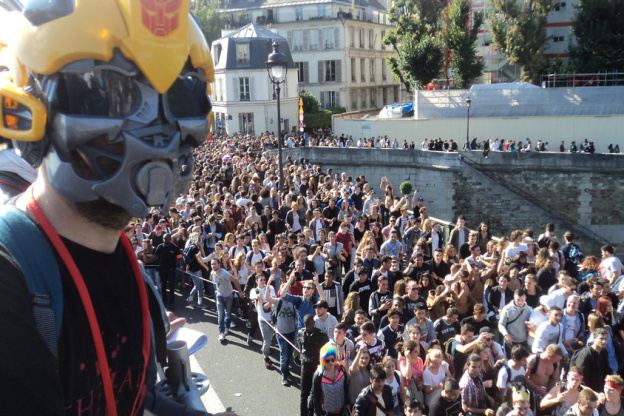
(371, 40)
(352, 69)
(328, 36)
(330, 71)
(372, 69)
(363, 96)
(221, 90)
(298, 13)
(322, 10)
(384, 95)
(297, 40)
(314, 39)
(361, 35)
(559, 5)
(383, 35)
(558, 38)
(383, 70)
(352, 36)
(353, 100)
(245, 122)
(242, 53)
(243, 88)
(363, 70)
(303, 71)
(373, 98)
(330, 99)
(217, 53)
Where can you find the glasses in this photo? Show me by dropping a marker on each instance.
(413, 288)
(307, 288)
(329, 360)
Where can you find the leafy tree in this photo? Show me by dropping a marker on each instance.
(416, 41)
(599, 36)
(460, 39)
(311, 104)
(519, 31)
(211, 22)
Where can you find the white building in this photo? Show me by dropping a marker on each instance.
(244, 99)
(336, 45)
(558, 30)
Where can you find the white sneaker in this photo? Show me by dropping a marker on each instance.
(232, 324)
(221, 337)
(227, 331)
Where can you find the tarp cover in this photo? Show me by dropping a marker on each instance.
(520, 102)
(396, 110)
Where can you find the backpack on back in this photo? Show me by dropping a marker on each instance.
(187, 255)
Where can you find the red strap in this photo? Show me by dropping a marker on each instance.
(96, 334)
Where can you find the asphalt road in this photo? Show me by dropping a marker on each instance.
(236, 371)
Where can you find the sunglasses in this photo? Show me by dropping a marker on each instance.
(329, 360)
(308, 288)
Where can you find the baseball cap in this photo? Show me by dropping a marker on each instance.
(158, 228)
(321, 304)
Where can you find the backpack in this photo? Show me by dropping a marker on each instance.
(186, 254)
(448, 345)
(276, 310)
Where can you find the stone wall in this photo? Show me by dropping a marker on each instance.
(584, 188)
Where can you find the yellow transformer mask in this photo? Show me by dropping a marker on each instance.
(111, 94)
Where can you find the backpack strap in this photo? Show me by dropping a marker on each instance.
(32, 251)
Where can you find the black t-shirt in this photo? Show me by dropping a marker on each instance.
(77, 386)
(364, 290)
(167, 256)
(446, 331)
(441, 407)
(477, 325)
(194, 264)
(417, 272)
(440, 270)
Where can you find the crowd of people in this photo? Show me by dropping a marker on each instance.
(376, 311)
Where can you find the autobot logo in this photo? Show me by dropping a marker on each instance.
(161, 16)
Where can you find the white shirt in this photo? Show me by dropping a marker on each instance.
(545, 335)
(503, 374)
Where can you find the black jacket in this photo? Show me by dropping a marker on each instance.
(493, 298)
(364, 406)
(594, 366)
(311, 345)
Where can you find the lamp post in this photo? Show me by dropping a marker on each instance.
(277, 69)
(468, 102)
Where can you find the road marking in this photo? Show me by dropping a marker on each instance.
(210, 399)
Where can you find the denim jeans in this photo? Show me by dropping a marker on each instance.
(198, 284)
(224, 311)
(267, 338)
(285, 352)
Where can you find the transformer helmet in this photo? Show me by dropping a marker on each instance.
(111, 94)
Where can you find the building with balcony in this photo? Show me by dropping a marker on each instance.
(244, 99)
(335, 45)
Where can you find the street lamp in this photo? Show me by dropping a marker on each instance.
(277, 69)
(468, 102)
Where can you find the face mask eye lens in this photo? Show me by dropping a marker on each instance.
(187, 98)
(99, 93)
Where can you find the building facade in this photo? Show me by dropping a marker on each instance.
(336, 46)
(244, 99)
(558, 30)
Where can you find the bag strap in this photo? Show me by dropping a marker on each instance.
(373, 399)
(32, 251)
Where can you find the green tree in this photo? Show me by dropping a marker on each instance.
(416, 41)
(311, 104)
(519, 31)
(599, 38)
(460, 38)
(211, 22)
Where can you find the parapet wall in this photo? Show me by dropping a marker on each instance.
(585, 188)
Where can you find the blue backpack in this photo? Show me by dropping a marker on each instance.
(43, 280)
